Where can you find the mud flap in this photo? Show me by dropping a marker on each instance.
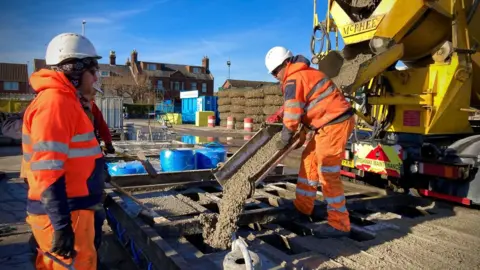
(463, 151)
(463, 189)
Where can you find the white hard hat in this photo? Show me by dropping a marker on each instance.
(67, 46)
(275, 57)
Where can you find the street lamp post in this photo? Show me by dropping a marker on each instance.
(83, 27)
(228, 64)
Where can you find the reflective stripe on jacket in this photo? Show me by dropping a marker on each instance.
(64, 163)
(311, 97)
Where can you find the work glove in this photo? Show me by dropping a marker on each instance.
(273, 119)
(110, 149)
(305, 137)
(284, 140)
(63, 242)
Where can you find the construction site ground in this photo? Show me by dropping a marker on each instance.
(191, 129)
(392, 232)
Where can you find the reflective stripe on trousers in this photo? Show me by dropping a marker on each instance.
(322, 160)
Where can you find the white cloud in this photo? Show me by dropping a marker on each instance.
(109, 17)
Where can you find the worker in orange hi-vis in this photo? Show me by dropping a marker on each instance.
(313, 100)
(64, 164)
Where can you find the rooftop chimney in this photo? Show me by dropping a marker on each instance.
(134, 56)
(206, 64)
(112, 58)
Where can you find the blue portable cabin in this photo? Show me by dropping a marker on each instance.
(192, 103)
(189, 109)
(209, 103)
(189, 106)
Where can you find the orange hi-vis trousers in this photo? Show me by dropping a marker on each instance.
(321, 164)
(83, 227)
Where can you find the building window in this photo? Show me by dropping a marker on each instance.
(104, 73)
(204, 87)
(151, 66)
(176, 86)
(11, 86)
(160, 85)
(193, 86)
(196, 70)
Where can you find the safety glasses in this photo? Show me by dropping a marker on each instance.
(276, 71)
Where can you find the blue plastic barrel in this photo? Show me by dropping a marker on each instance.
(125, 168)
(214, 145)
(115, 169)
(180, 159)
(137, 166)
(209, 157)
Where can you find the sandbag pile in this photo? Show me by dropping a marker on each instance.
(254, 102)
(224, 105)
(241, 103)
(273, 99)
(237, 109)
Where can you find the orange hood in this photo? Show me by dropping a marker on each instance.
(48, 79)
(297, 64)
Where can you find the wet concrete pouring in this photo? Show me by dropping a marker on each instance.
(388, 231)
(235, 193)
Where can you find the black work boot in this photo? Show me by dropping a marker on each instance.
(324, 230)
(298, 215)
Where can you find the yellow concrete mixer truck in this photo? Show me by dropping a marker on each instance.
(416, 128)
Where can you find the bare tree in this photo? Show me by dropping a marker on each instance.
(140, 91)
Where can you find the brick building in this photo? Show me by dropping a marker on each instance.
(165, 80)
(170, 79)
(14, 79)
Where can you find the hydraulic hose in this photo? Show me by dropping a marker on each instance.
(239, 244)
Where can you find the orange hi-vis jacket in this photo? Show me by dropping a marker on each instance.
(311, 98)
(63, 160)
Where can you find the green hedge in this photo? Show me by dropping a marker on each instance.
(138, 109)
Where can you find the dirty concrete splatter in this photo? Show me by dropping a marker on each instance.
(168, 206)
(349, 70)
(362, 3)
(235, 193)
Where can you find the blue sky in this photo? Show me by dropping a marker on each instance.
(170, 31)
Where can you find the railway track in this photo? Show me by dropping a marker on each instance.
(392, 231)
